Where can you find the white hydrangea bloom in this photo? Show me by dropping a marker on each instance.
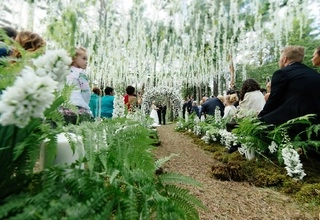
(54, 63)
(292, 161)
(29, 96)
(227, 138)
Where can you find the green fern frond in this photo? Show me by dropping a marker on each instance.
(185, 195)
(160, 162)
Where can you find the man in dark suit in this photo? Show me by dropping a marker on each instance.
(189, 105)
(210, 105)
(294, 88)
(159, 106)
(184, 108)
(163, 113)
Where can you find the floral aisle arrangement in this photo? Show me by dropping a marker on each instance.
(114, 180)
(258, 139)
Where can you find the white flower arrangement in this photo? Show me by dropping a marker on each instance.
(292, 161)
(227, 138)
(211, 135)
(33, 91)
(197, 130)
(54, 63)
(29, 96)
(118, 106)
(206, 138)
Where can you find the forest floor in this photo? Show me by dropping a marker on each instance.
(224, 199)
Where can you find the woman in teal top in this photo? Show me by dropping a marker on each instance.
(94, 103)
(107, 103)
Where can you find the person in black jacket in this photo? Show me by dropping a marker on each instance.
(293, 94)
(210, 105)
(159, 111)
(293, 89)
(184, 108)
(163, 113)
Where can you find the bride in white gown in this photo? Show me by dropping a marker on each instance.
(154, 114)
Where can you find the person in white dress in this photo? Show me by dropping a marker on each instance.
(154, 114)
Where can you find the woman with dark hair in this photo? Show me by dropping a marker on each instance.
(316, 57)
(107, 103)
(130, 99)
(251, 98)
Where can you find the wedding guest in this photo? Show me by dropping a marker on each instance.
(184, 108)
(195, 108)
(268, 89)
(130, 99)
(80, 95)
(29, 41)
(251, 98)
(230, 110)
(107, 103)
(316, 57)
(95, 102)
(294, 86)
(211, 104)
(189, 105)
(237, 92)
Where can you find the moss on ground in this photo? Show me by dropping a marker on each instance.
(266, 172)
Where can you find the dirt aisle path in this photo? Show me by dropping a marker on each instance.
(225, 200)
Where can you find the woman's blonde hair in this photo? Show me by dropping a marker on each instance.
(231, 99)
(29, 41)
(221, 97)
(79, 51)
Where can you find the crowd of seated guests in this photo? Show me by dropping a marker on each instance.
(287, 94)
